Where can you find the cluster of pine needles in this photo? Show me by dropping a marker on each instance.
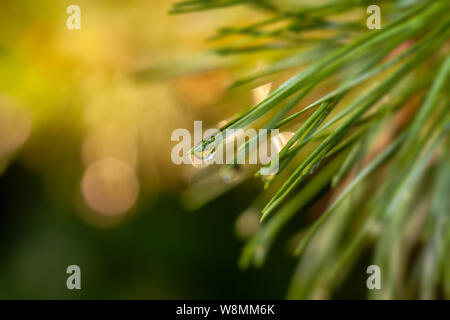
(375, 148)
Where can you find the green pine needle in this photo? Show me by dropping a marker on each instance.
(376, 197)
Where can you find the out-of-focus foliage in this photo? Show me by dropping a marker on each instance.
(368, 125)
(86, 118)
(86, 108)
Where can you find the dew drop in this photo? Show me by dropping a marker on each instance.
(207, 153)
(204, 152)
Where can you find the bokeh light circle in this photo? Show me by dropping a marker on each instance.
(110, 186)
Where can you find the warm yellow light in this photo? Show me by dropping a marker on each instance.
(15, 127)
(110, 186)
(261, 92)
(281, 140)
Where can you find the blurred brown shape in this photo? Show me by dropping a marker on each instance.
(201, 90)
(110, 186)
(15, 127)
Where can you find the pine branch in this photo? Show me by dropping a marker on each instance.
(335, 156)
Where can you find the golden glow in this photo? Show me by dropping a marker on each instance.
(261, 92)
(201, 90)
(15, 127)
(281, 140)
(110, 186)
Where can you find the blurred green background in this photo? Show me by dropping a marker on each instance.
(85, 172)
(86, 176)
(162, 253)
